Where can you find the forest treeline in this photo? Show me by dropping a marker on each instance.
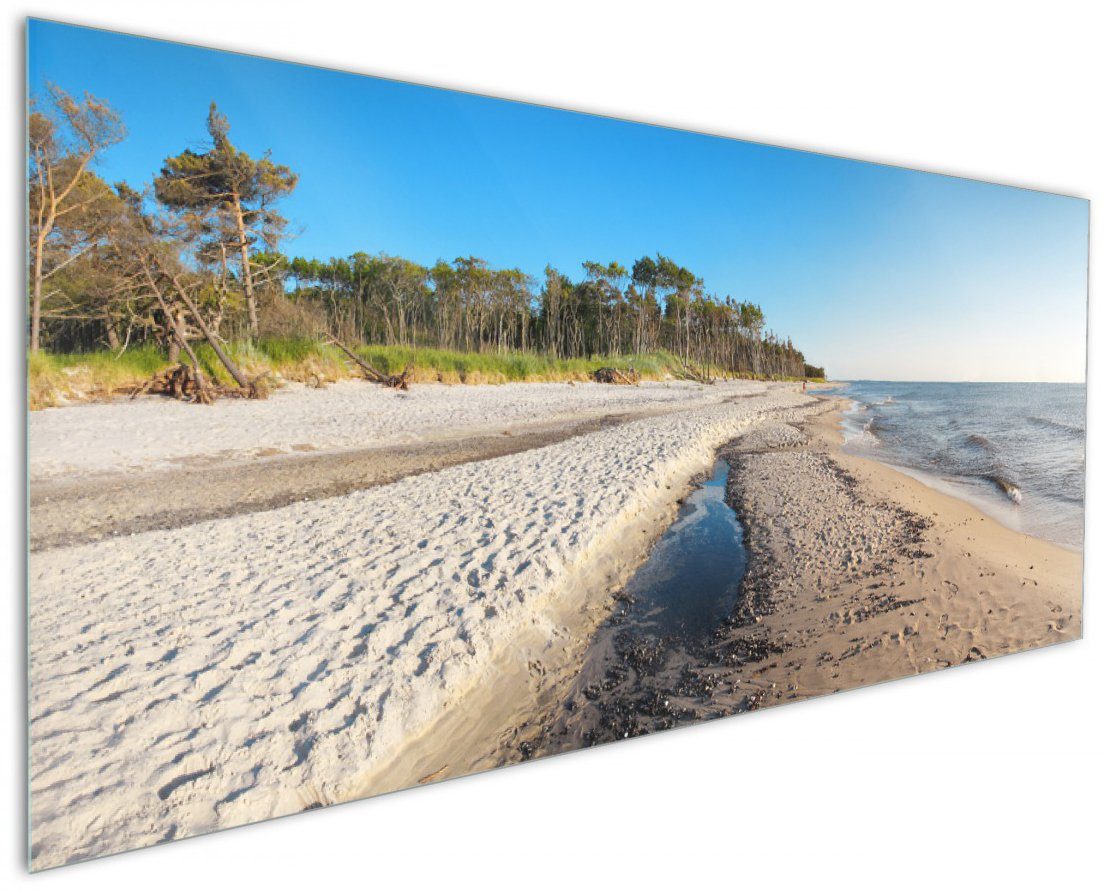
(195, 256)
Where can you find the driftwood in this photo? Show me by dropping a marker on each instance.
(187, 383)
(398, 382)
(182, 382)
(616, 376)
(692, 374)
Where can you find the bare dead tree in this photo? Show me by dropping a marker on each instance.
(64, 139)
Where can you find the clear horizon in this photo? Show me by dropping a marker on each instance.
(875, 272)
(948, 381)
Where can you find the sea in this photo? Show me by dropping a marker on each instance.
(1015, 451)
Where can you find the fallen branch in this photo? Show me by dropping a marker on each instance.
(398, 382)
(694, 375)
(187, 383)
(616, 376)
(249, 387)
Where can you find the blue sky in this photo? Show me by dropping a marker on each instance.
(875, 272)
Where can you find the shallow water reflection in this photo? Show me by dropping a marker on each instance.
(688, 584)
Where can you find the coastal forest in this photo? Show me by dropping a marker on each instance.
(191, 269)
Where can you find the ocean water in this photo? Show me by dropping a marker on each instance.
(1016, 451)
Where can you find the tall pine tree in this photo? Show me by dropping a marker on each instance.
(228, 191)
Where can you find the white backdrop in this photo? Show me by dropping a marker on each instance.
(991, 774)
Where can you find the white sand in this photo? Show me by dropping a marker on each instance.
(153, 431)
(198, 678)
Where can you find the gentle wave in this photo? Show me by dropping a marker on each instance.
(862, 433)
(1020, 445)
(1063, 427)
(981, 442)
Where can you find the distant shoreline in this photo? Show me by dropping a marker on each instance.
(846, 381)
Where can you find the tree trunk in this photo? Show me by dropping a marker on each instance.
(213, 341)
(36, 295)
(244, 255)
(176, 323)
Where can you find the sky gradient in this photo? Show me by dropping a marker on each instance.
(874, 272)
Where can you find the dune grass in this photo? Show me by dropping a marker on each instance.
(59, 378)
(456, 367)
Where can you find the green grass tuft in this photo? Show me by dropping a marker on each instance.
(57, 378)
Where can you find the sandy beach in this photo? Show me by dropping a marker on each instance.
(302, 444)
(197, 677)
(150, 434)
(262, 607)
(433, 433)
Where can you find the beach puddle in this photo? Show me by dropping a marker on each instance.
(665, 617)
(688, 584)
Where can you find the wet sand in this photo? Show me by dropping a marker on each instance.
(874, 575)
(857, 574)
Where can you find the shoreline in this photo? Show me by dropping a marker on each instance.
(856, 614)
(979, 589)
(974, 461)
(970, 494)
